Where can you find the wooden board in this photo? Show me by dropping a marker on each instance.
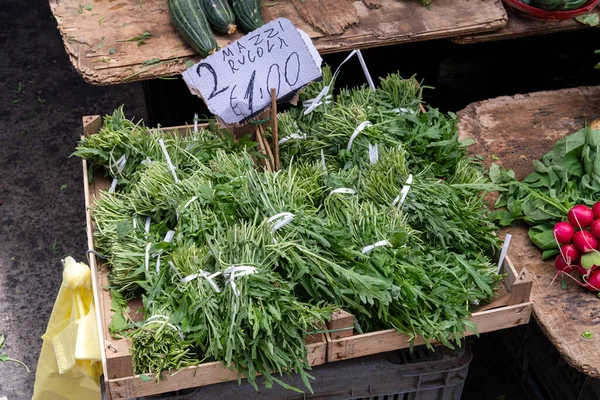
(513, 307)
(517, 130)
(120, 381)
(521, 26)
(91, 38)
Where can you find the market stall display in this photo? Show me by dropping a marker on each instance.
(515, 131)
(115, 42)
(189, 220)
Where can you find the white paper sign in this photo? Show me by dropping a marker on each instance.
(236, 81)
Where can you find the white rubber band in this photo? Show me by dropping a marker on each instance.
(174, 269)
(113, 185)
(164, 320)
(343, 190)
(205, 275)
(283, 218)
(147, 262)
(237, 272)
(403, 110)
(169, 237)
(504, 251)
(190, 201)
(358, 130)
(171, 166)
(400, 198)
(365, 70)
(296, 136)
(373, 153)
(370, 247)
(317, 100)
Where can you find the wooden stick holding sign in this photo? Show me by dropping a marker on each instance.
(274, 128)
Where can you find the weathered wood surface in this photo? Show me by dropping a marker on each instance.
(91, 38)
(521, 26)
(517, 130)
(331, 17)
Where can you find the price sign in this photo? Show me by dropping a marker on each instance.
(236, 81)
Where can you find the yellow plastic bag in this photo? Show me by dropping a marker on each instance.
(70, 363)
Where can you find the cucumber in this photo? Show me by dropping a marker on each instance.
(190, 22)
(247, 14)
(574, 4)
(219, 15)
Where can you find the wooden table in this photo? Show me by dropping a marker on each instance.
(94, 38)
(517, 130)
(520, 26)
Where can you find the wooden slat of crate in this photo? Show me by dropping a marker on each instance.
(517, 130)
(116, 359)
(89, 36)
(521, 26)
(516, 311)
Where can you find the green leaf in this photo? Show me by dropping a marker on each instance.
(63, 186)
(189, 63)
(542, 237)
(503, 217)
(112, 50)
(587, 334)
(494, 172)
(124, 228)
(590, 259)
(572, 164)
(590, 19)
(550, 253)
(145, 378)
(564, 285)
(467, 142)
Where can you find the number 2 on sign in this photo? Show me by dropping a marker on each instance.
(211, 70)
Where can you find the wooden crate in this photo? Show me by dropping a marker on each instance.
(512, 306)
(120, 381)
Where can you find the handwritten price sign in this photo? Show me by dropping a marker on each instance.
(236, 81)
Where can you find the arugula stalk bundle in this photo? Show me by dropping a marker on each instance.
(240, 265)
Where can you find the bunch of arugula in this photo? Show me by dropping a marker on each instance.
(434, 262)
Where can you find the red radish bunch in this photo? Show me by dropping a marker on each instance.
(579, 243)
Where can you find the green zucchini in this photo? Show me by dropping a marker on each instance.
(190, 22)
(549, 5)
(247, 14)
(219, 15)
(574, 4)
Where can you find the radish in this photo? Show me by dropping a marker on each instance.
(596, 210)
(583, 271)
(569, 253)
(592, 282)
(584, 241)
(563, 232)
(561, 265)
(595, 228)
(580, 216)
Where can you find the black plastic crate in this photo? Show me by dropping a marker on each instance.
(399, 375)
(543, 372)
